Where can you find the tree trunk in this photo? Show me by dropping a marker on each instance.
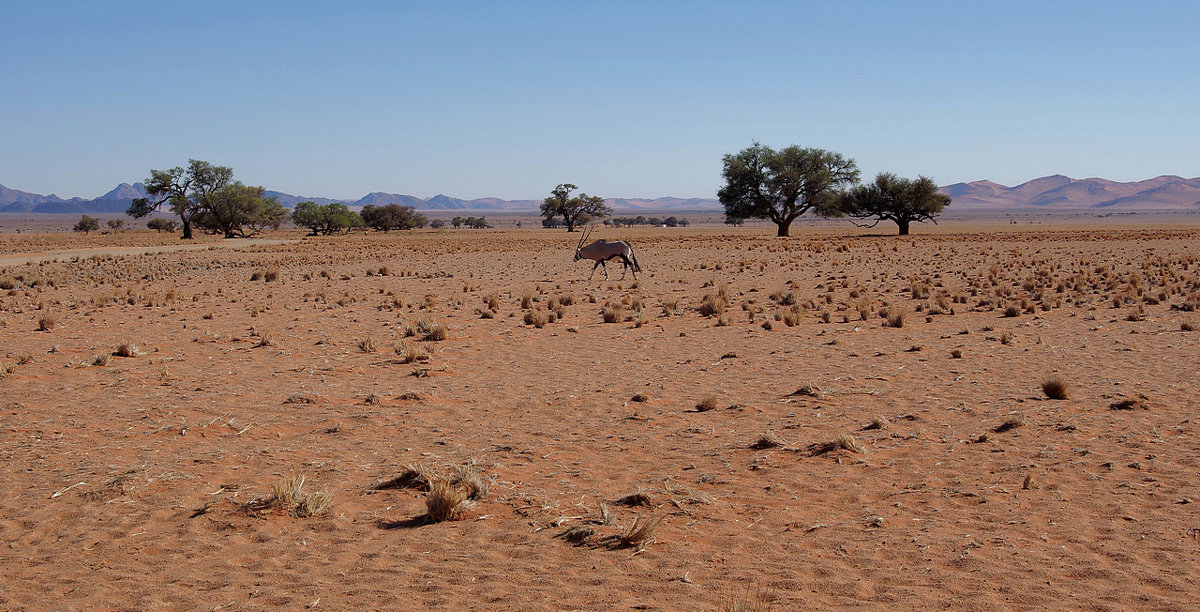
(187, 229)
(903, 223)
(783, 227)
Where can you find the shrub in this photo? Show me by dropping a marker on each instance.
(445, 502)
(1055, 387)
(46, 322)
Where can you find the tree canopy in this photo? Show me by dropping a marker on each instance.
(238, 210)
(893, 198)
(87, 225)
(576, 210)
(392, 216)
(762, 183)
(189, 191)
(325, 218)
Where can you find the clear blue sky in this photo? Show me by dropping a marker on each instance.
(637, 99)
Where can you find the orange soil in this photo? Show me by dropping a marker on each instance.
(126, 483)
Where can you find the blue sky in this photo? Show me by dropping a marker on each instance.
(637, 99)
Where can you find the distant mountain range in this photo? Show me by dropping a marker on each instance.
(119, 199)
(1048, 192)
(1062, 192)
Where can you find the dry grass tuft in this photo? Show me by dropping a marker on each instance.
(809, 389)
(127, 349)
(895, 319)
(445, 502)
(706, 403)
(368, 344)
(1029, 482)
(767, 440)
(1055, 387)
(1012, 422)
(642, 532)
(304, 397)
(754, 600)
(287, 494)
(46, 322)
(879, 422)
(843, 441)
(1187, 325)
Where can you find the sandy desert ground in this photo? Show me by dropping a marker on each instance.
(829, 421)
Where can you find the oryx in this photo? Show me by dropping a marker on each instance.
(601, 251)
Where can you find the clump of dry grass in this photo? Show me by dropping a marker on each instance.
(613, 312)
(706, 403)
(639, 397)
(287, 494)
(767, 440)
(304, 397)
(879, 422)
(368, 344)
(1055, 387)
(1012, 422)
(895, 319)
(1187, 325)
(715, 303)
(127, 349)
(843, 441)
(753, 601)
(428, 329)
(537, 318)
(445, 502)
(809, 389)
(956, 354)
(46, 322)
(411, 353)
(265, 339)
(100, 360)
(642, 532)
(1030, 483)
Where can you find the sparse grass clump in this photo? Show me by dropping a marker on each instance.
(46, 322)
(445, 502)
(642, 532)
(1055, 387)
(1012, 422)
(427, 329)
(537, 318)
(288, 495)
(127, 349)
(843, 441)
(368, 344)
(613, 312)
(895, 319)
(706, 403)
(767, 440)
(1187, 325)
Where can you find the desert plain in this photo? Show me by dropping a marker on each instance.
(837, 420)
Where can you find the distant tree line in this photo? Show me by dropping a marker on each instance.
(654, 221)
(470, 222)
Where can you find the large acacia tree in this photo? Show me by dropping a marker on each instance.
(575, 210)
(189, 191)
(762, 183)
(893, 198)
(238, 210)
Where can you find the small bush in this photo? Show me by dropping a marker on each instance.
(895, 319)
(46, 322)
(708, 402)
(445, 502)
(127, 349)
(1055, 387)
(368, 344)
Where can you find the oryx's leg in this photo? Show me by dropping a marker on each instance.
(594, 266)
(627, 265)
(605, 268)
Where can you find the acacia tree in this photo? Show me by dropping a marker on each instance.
(240, 210)
(762, 183)
(87, 225)
(189, 191)
(893, 198)
(392, 216)
(325, 219)
(575, 210)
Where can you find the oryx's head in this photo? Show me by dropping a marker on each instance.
(583, 236)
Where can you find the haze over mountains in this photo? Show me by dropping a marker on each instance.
(1165, 193)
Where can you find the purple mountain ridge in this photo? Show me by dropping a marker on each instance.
(1166, 193)
(1061, 192)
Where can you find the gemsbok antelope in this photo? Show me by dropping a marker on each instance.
(601, 251)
